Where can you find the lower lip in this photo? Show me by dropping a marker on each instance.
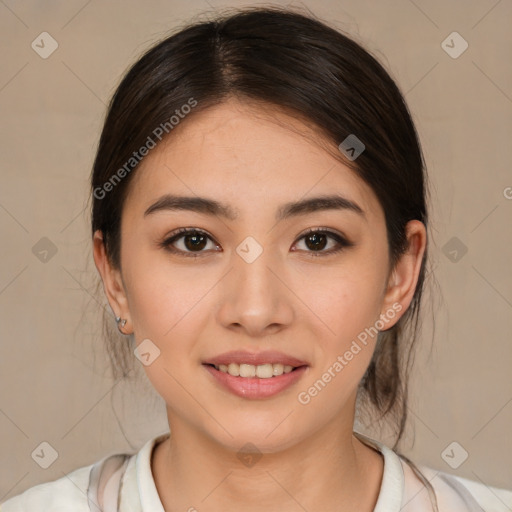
(254, 387)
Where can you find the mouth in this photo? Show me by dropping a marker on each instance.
(255, 375)
(255, 382)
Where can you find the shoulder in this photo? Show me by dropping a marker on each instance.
(55, 496)
(109, 482)
(453, 493)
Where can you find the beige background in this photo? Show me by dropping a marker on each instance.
(54, 373)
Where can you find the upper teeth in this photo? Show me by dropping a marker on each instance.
(263, 371)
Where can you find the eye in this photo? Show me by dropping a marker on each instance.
(189, 241)
(315, 240)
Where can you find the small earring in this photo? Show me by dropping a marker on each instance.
(121, 322)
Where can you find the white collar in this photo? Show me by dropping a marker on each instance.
(393, 480)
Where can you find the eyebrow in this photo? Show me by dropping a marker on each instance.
(212, 207)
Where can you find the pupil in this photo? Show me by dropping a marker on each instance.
(316, 244)
(198, 243)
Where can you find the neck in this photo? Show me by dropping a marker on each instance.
(331, 470)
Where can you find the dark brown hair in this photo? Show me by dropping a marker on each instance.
(296, 63)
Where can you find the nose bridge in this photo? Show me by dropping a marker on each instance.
(255, 275)
(255, 297)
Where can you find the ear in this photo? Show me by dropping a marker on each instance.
(404, 276)
(112, 281)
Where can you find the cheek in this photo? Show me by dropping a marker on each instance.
(347, 300)
(167, 306)
(344, 349)
(348, 351)
(164, 299)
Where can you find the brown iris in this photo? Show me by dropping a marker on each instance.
(318, 240)
(197, 241)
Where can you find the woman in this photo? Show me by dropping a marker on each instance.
(259, 223)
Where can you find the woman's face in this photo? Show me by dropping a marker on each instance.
(253, 281)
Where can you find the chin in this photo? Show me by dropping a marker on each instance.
(268, 435)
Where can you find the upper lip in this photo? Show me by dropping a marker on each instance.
(255, 358)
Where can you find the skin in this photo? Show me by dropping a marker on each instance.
(288, 300)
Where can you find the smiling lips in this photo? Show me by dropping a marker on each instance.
(255, 375)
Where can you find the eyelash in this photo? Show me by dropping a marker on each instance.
(167, 243)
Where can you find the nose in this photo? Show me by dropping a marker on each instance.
(255, 298)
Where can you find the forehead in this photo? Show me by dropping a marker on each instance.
(245, 153)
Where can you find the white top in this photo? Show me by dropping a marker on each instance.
(400, 490)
